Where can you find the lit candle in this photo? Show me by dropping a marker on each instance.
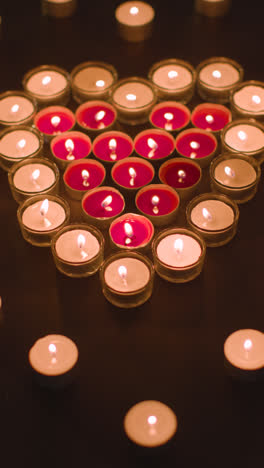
(244, 136)
(211, 117)
(95, 116)
(112, 146)
(196, 144)
(92, 80)
(159, 203)
(244, 352)
(154, 144)
(16, 108)
(131, 231)
(70, 146)
(132, 173)
(48, 84)
(102, 205)
(83, 175)
(247, 100)
(134, 20)
(54, 120)
(184, 176)
(16, 145)
(170, 116)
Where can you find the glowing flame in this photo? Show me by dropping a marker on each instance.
(44, 208)
(132, 174)
(168, 116)
(112, 144)
(15, 108)
(99, 115)
(85, 176)
(194, 145)
(242, 135)
(172, 74)
(155, 201)
(35, 174)
(206, 214)
(152, 420)
(256, 99)
(21, 144)
(100, 83)
(81, 241)
(134, 10)
(128, 229)
(131, 97)
(209, 118)
(248, 345)
(178, 246)
(122, 271)
(46, 80)
(52, 348)
(55, 120)
(69, 145)
(152, 143)
(229, 172)
(106, 202)
(217, 74)
(181, 174)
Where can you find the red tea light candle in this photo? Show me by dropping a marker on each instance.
(112, 146)
(211, 117)
(54, 120)
(131, 231)
(183, 176)
(32, 177)
(159, 203)
(170, 116)
(102, 205)
(213, 217)
(196, 144)
(244, 354)
(244, 136)
(217, 77)
(48, 84)
(173, 79)
(134, 20)
(95, 116)
(236, 176)
(81, 176)
(70, 146)
(16, 108)
(247, 100)
(92, 80)
(154, 145)
(132, 173)
(178, 254)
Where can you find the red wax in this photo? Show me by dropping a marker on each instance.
(180, 113)
(212, 117)
(44, 123)
(144, 173)
(195, 144)
(92, 203)
(73, 174)
(142, 230)
(168, 201)
(164, 141)
(82, 145)
(86, 115)
(124, 146)
(170, 173)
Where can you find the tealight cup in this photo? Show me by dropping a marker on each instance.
(112, 146)
(211, 117)
(213, 8)
(100, 206)
(127, 279)
(170, 116)
(54, 120)
(95, 117)
(244, 136)
(78, 250)
(59, 8)
(197, 144)
(214, 217)
(16, 108)
(247, 100)
(159, 203)
(173, 79)
(92, 81)
(33, 177)
(182, 175)
(48, 85)
(81, 176)
(70, 146)
(154, 145)
(135, 20)
(132, 232)
(235, 175)
(131, 174)
(41, 217)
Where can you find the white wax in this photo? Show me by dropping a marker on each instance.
(245, 349)
(245, 138)
(222, 215)
(245, 174)
(57, 83)
(150, 423)
(229, 75)
(47, 363)
(67, 247)
(24, 110)
(167, 253)
(23, 180)
(137, 277)
(9, 144)
(243, 99)
(144, 15)
(87, 78)
(144, 95)
(33, 219)
(161, 78)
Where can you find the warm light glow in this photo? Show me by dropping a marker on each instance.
(132, 174)
(206, 214)
(168, 116)
(21, 144)
(69, 145)
(44, 207)
(172, 74)
(106, 202)
(15, 108)
(128, 229)
(52, 348)
(131, 97)
(178, 246)
(85, 176)
(248, 345)
(155, 200)
(35, 174)
(122, 271)
(194, 145)
(81, 241)
(209, 118)
(55, 120)
(100, 83)
(229, 172)
(256, 99)
(99, 115)
(112, 144)
(181, 174)
(152, 143)
(46, 80)
(134, 10)
(217, 74)
(242, 135)
(152, 420)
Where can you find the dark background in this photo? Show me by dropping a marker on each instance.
(171, 348)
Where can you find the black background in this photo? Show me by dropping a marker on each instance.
(171, 348)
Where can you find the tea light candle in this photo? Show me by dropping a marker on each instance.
(92, 80)
(247, 100)
(48, 85)
(154, 145)
(70, 146)
(53, 359)
(135, 20)
(244, 353)
(31, 177)
(41, 216)
(236, 176)
(178, 254)
(132, 173)
(95, 116)
(54, 120)
(244, 136)
(59, 8)
(127, 279)
(159, 203)
(133, 99)
(211, 117)
(16, 108)
(131, 231)
(81, 176)
(102, 205)
(150, 423)
(196, 144)
(212, 8)
(112, 146)
(78, 250)
(170, 116)
(217, 77)
(173, 79)
(184, 176)
(19, 144)
(213, 217)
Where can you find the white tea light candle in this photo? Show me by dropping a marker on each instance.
(19, 144)
(92, 80)
(244, 136)
(135, 20)
(16, 108)
(48, 84)
(247, 100)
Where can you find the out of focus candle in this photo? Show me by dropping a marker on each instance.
(247, 100)
(17, 144)
(135, 20)
(48, 84)
(92, 81)
(244, 136)
(16, 108)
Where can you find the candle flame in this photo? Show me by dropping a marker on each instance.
(131, 97)
(152, 420)
(106, 202)
(229, 172)
(52, 348)
(69, 145)
(206, 214)
(242, 135)
(46, 80)
(256, 99)
(155, 201)
(217, 74)
(194, 145)
(209, 118)
(100, 83)
(112, 144)
(181, 174)
(134, 10)
(85, 176)
(248, 345)
(168, 116)
(44, 208)
(132, 174)
(15, 108)
(21, 144)
(152, 143)
(81, 241)
(35, 174)
(122, 271)
(128, 229)
(99, 115)
(178, 246)
(172, 74)
(55, 120)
